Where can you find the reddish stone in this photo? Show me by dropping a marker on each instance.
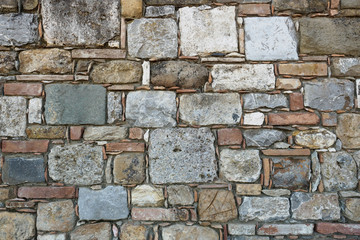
(76, 132)
(45, 77)
(296, 101)
(286, 152)
(334, 4)
(158, 214)
(125, 147)
(229, 136)
(330, 228)
(17, 204)
(136, 133)
(23, 89)
(303, 69)
(47, 192)
(293, 118)
(254, 9)
(31, 146)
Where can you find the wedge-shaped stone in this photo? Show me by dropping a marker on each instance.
(317, 138)
(12, 116)
(17, 225)
(180, 231)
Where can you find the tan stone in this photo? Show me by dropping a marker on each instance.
(303, 69)
(51, 132)
(129, 168)
(288, 83)
(17, 226)
(147, 196)
(248, 189)
(6, 193)
(131, 8)
(352, 209)
(348, 130)
(92, 231)
(29, 4)
(131, 231)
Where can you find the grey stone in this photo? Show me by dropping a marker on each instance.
(147, 196)
(315, 139)
(7, 62)
(301, 6)
(338, 171)
(12, 116)
(18, 29)
(348, 130)
(261, 100)
(348, 194)
(264, 209)
(281, 145)
(35, 110)
(152, 38)
(249, 238)
(241, 229)
(151, 108)
(179, 155)
(109, 203)
(75, 104)
(276, 192)
(329, 94)
(98, 231)
(61, 236)
(78, 164)
(350, 4)
(352, 209)
(210, 108)
(160, 11)
(105, 133)
(313, 206)
(180, 231)
(114, 107)
(356, 156)
(16, 225)
(180, 195)
(177, 2)
(270, 38)
(315, 171)
(240, 165)
(262, 137)
(330, 35)
(345, 67)
(86, 23)
(22, 169)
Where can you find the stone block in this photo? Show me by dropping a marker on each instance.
(101, 230)
(348, 130)
(131, 8)
(301, 6)
(12, 116)
(45, 132)
(129, 168)
(7, 62)
(114, 107)
(147, 196)
(263, 100)
(255, 118)
(180, 195)
(315, 139)
(229, 136)
(160, 11)
(263, 137)
(105, 133)
(35, 110)
(286, 229)
(341, 67)
(16, 225)
(188, 232)
(131, 231)
(352, 209)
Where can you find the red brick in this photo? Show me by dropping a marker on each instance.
(286, 152)
(31, 146)
(23, 89)
(254, 9)
(330, 228)
(76, 132)
(47, 192)
(229, 136)
(99, 53)
(296, 101)
(159, 214)
(293, 118)
(136, 133)
(45, 77)
(125, 147)
(303, 69)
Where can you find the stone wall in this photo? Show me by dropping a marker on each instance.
(179, 119)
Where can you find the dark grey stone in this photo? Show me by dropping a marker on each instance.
(259, 100)
(301, 6)
(75, 104)
(160, 11)
(263, 137)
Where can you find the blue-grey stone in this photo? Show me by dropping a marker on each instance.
(263, 137)
(261, 100)
(75, 104)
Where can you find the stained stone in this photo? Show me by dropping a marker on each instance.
(78, 164)
(240, 165)
(263, 100)
(16, 225)
(12, 116)
(147, 196)
(249, 238)
(114, 107)
(352, 209)
(182, 155)
(301, 6)
(7, 62)
(267, 209)
(109, 203)
(129, 168)
(350, 4)
(131, 9)
(152, 38)
(151, 108)
(204, 31)
(92, 22)
(315, 171)
(329, 94)
(131, 232)
(100, 231)
(180, 232)
(160, 11)
(105, 133)
(180, 195)
(29, 4)
(338, 171)
(247, 77)
(313, 206)
(270, 38)
(348, 130)
(210, 108)
(45, 132)
(345, 67)
(177, 2)
(262, 137)
(315, 139)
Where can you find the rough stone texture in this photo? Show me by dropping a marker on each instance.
(118, 71)
(75, 104)
(17, 225)
(217, 205)
(240, 165)
(151, 109)
(105, 133)
(29, 4)
(229, 136)
(313, 206)
(12, 116)
(350, 4)
(177, 2)
(345, 67)
(130, 231)
(129, 168)
(8, 6)
(260, 100)
(35, 110)
(241, 229)
(248, 189)
(330, 35)
(56, 216)
(114, 107)
(147, 196)
(315, 139)
(249, 237)
(152, 38)
(329, 94)
(131, 9)
(276, 192)
(249, 77)
(315, 171)
(301, 6)
(210, 108)
(338, 171)
(264, 209)
(352, 209)
(262, 137)
(204, 31)
(356, 157)
(286, 229)
(109, 203)
(330, 228)
(348, 130)
(61, 236)
(270, 38)
(180, 195)
(160, 11)
(91, 22)
(180, 232)
(255, 118)
(182, 155)
(76, 164)
(7, 62)
(100, 231)
(43, 132)
(178, 73)
(288, 83)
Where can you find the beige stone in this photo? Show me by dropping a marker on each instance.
(288, 83)
(92, 231)
(182, 232)
(130, 232)
(29, 4)
(348, 130)
(131, 8)
(248, 189)
(129, 168)
(17, 226)
(51, 132)
(352, 209)
(147, 196)
(105, 133)
(180, 195)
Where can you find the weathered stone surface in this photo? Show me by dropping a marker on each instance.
(329, 94)
(276, 192)
(180, 195)
(350, 4)
(23, 89)
(315, 139)
(330, 228)
(260, 100)
(264, 209)
(288, 83)
(56, 216)
(179, 232)
(347, 194)
(153, 38)
(262, 137)
(131, 9)
(178, 73)
(249, 77)
(118, 71)
(315, 171)
(12, 116)
(35, 110)
(338, 171)
(303, 69)
(248, 237)
(114, 107)
(130, 231)
(29, 4)
(182, 155)
(248, 189)
(217, 205)
(348, 130)
(109, 203)
(61, 236)
(255, 118)
(158, 214)
(45, 61)
(100, 231)
(105, 133)
(76, 164)
(7, 62)
(210, 108)
(18, 29)
(241, 229)
(313, 206)
(92, 22)
(345, 67)
(330, 35)
(301, 6)
(6, 193)
(160, 11)
(129, 168)
(147, 196)
(356, 157)
(177, 2)
(17, 225)
(240, 165)
(270, 38)
(75, 104)
(8, 6)
(44, 132)
(151, 109)
(217, 35)
(352, 209)
(286, 229)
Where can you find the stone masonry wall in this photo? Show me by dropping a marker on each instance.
(179, 119)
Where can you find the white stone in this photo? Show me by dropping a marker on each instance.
(147, 196)
(241, 229)
(249, 77)
(12, 116)
(35, 110)
(270, 38)
(114, 106)
(358, 92)
(315, 139)
(146, 73)
(159, 11)
(105, 133)
(52, 237)
(204, 31)
(255, 118)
